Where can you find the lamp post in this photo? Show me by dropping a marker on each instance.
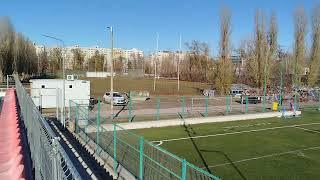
(155, 64)
(111, 81)
(180, 53)
(63, 79)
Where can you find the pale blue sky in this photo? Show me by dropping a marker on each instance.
(136, 22)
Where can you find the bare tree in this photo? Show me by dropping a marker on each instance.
(148, 68)
(17, 53)
(300, 28)
(224, 74)
(43, 60)
(55, 59)
(315, 50)
(195, 66)
(168, 67)
(78, 59)
(250, 74)
(261, 47)
(273, 46)
(119, 65)
(95, 63)
(6, 46)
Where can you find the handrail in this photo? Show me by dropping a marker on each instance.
(50, 159)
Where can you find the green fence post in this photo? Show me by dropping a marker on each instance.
(295, 102)
(191, 105)
(242, 107)
(85, 128)
(183, 106)
(141, 166)
(247, 104)
(115, 163)
(318, 102)
(130, 108)
(264, 88)
(281, 87)
(77, 118)
(264, 103)
(230, 106)
(280, 102)
(184, 170)
(69, 113)
(227, 105)
(207, 104)
(98, 125)
(158, 109)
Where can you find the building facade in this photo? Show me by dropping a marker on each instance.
(175, 56)
(126, 54)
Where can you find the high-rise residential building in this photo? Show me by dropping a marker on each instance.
(127, 54)
(171, 55)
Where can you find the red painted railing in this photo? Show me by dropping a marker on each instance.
(11, 156)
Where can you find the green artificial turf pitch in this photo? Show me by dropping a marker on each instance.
(273, 148)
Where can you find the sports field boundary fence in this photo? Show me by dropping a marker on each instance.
(173, 107)
(50, 161)
(143, 159)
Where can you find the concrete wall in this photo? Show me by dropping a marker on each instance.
(99, 74)
(179, 122)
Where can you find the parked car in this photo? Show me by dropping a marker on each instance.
(118, 99)
(251, 100)
(236, 92)
(92, 102)
(237, 97)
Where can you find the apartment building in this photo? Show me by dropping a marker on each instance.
(127, 54)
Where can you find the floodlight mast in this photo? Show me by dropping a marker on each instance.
(111, 79)
(63, 122)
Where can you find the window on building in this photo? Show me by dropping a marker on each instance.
(43, 86)
(70, 86)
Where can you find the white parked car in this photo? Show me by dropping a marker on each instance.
(118, 99)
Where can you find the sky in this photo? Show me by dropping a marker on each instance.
(136, 22)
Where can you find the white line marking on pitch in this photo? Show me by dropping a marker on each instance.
(266, 156)
(308, 130)
(245, 126)
(157, 143)
(237, 132)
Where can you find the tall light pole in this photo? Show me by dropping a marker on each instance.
(63, 79)
(155, 64)
(180, 53)
(39, 65)
(111, 81)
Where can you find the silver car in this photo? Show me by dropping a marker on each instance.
(118, 99)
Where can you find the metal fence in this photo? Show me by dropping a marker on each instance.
(173, 107)
(144, 159)
(141, 158)
(50, 161)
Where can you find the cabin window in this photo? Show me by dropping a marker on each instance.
(43, 86)
(70, 86)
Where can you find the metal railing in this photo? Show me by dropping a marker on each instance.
(143, 159)
(50, 161)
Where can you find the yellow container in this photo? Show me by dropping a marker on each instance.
(275, 106)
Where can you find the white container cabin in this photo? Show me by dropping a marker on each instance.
(47, 93)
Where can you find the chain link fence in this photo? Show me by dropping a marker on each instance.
(49, 159)
(143, 159)
(175, 107)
